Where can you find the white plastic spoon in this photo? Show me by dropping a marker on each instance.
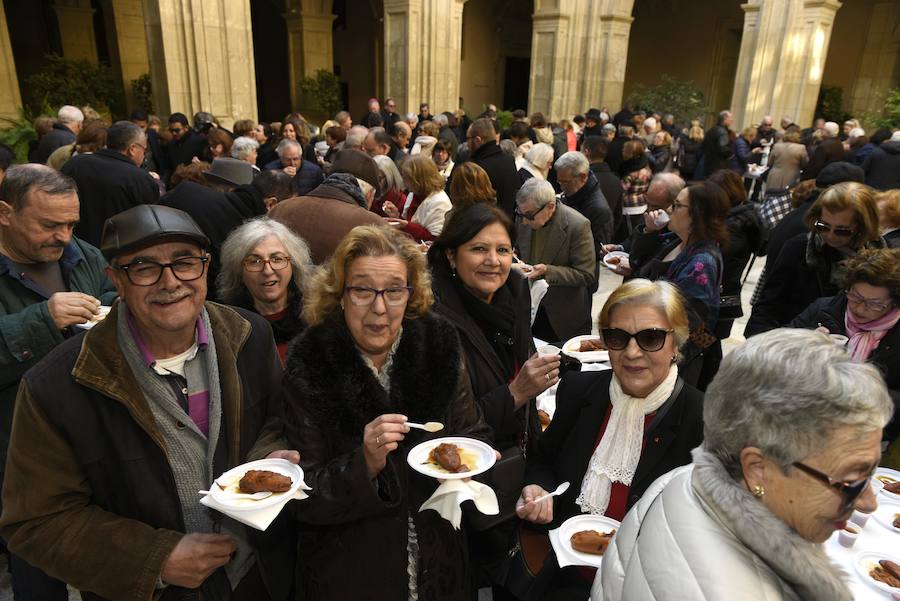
(256, 496)
(427, 426)
(559, 490)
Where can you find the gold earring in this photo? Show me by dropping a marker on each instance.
(759, 491)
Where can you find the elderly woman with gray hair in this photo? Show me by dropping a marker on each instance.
(788, 454)
(265, 268)
(536, 162)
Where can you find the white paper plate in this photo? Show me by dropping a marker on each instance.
(585, 522)
(887, 475)
(885, 513)
(571, 349)
(104, 311)
(482, 454)
(865, 561)
(231, 478)
(621, 255)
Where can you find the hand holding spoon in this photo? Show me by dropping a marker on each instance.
(427, 426)
(559, 490)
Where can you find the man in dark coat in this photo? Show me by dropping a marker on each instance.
(306, 175)
(500, 167)
(593, 126)
(111, 180)
(184, 145)
(614, 151)
(582, 192)
(829, 150)
(717, 147)
(389, 116)
(595, 149)
(224, 203)
(882, 167)
(64, 132)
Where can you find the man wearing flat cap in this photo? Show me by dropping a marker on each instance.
(115, 432)
(340, 203)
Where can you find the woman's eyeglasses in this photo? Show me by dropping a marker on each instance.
(843, 232)
(849, 490)
(276, 262)
(650, 340)
(871, 304)
(363, 296)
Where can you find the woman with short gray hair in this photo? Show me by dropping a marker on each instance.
(245, 149)
(536, 162)
(265, 268)
(788, 454)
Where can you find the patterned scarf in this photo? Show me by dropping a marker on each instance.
(864, 337)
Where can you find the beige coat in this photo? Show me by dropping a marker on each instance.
(785, 163)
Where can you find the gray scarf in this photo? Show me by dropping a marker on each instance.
(803, 565)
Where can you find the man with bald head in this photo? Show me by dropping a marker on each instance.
(400, 141)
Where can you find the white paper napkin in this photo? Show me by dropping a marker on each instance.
(256, 518)
(448, 497)
(564, 557)
(538, 290)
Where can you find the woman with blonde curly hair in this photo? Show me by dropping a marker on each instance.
(372, 358)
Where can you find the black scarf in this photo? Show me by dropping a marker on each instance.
(585, 192)
(288, 326)
(633, 164)
(497, 321)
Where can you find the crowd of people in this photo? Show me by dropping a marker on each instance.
(178, 298)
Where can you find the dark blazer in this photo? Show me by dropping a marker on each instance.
(108, 183)
(717, 149)
(611, 185)
(501, 169)
(571, 270)
(57, 137)
(565, 449)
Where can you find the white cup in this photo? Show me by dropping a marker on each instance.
(661, 220)
(548, 351)
(848, 535)
(860, 518)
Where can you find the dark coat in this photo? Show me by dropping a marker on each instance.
(108, 183)
(217, 213)
(490, 381)
(614, 153)
(565, 449)
(307, 178)
(882, 167)
(689, 154)
(183, 151)
(590, 202)
(501, 169)
(829, 312)
(790, 225)
(745, 232)
(353, 530)
(611, 185)
(57, 137)
(829, 151)
(99, 491)
(717, 149)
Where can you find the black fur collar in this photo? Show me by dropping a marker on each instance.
(330, 378)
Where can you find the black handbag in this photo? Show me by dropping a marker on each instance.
(531, 565)
(506, 478)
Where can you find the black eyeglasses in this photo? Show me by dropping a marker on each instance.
(363, 296)
(148, 273)
(844, 232)
(871, 304)
(530, 216)
(849, 490)
(650, 340)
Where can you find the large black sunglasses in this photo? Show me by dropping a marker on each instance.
(843, 232)
(849, 490)
(650, 340)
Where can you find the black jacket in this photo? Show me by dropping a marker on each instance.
(790, 225)
(108, 183)
(565, 449)
(590, 202)
(829, 312)
(829, 151)
(611, 186)
(745, 232)
(689, 155)
(217, 213)
(57, 137)
(501, 169)
(353, 530)
(183, 151)
(882, 167)
(717, 149)
(614, 153)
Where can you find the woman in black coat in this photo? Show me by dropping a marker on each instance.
(374, 356)
(614, 432)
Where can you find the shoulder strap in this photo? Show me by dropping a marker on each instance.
(664, 408)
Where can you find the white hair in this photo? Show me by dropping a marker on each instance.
(574, 161)
(389, 169)
(285, 144)
(242, 147)
(356, 136)
(857, 132)
(895, 137)
(540, 156)
(440, 120)
(70, 114)
(539, 191)
(832, 129)
(650, 123)
(765, 395)
(672, 182)
(365, 186)
(411, 118)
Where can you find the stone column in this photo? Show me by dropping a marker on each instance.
(201, 57)
(878, 66)
(10, 101)
(422, 42)
(579, 51)
(782, 58)
(76, 29)
(130, 43)
(309, 41)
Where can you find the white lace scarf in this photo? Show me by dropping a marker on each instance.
(616, 457)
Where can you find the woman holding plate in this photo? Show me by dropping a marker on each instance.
(614, 432)
(373, 357)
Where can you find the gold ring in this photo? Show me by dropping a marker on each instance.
(378, 440)
(548, 377)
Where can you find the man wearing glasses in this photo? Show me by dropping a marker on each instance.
(134, 418)
(111, 180)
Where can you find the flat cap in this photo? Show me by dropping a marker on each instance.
(145, 225)
(356, 163)
(837, 172)
(230, 171)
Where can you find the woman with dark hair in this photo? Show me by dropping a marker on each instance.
(334, 137)
(490, 306)
(441, 155)
(218, 144)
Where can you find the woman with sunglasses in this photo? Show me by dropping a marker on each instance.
(867, 311)
(842, 221)
(788, 454)
(373, 356)
(615, 432)
(264, 268)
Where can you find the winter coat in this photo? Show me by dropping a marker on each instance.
(59, 136)
(108, 183)
(829, 151)
(183, 151)
(353, 530)
(95, 503)
(423, 145)
(611, 186)
(698, 534)
(323, 217)
(745, 231)
(306, 179)
(689, 153)
(501, 169)
(717, 149)
(430, 213)
(785, 162)
(829, 312)
(882, 167)
(590, 202)
(743, 155)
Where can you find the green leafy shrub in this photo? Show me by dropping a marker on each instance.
(505, 119)
(142, 89)
(321, 93)
(17, 133)
(830, 105)
(891, 116)
(75, 82)
(671, 95)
